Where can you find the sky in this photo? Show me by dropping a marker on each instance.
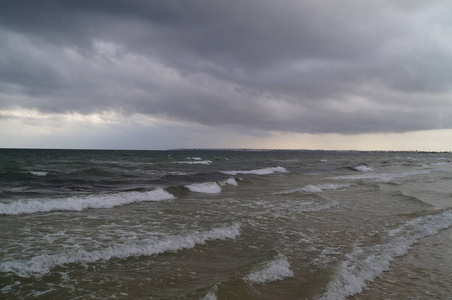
(165, 74)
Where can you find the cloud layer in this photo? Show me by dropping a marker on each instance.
(342, 67)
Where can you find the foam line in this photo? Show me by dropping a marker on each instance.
(80, 203)
(365, 264)
(42, 264)
(264, 171)
(277, 269)
(311, 188)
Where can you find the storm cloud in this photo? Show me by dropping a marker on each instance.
(344, 67)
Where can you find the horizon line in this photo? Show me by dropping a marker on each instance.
(224, 149)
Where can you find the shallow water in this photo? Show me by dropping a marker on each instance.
(224, 224)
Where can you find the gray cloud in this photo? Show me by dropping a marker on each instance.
(298, 66)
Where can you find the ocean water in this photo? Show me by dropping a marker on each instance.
(215, 224)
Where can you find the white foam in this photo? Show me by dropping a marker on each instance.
(318, 188)
(277, 269)
(317, 206)
(365, 264)
(441, 163)
(196, 162)
(195, 158)
(264, 171)
(38, 173)
(205, 188)
(80, 203)
(362, 168)
(212, 294)
(229, 181)
(42, 264)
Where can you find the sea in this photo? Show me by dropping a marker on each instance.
(225, 224)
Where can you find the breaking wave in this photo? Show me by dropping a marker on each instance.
(195, 162)
(277, 269)
(42, 264)
(383, 177)
(362, 168)
(229, 181)
(264, 171)
(204, 187)
(212, 294)
(38, 173)
(310, 188)
(211, 187)
(80, 203)
(365, 264)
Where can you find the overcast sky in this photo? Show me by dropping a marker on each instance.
(129, 74)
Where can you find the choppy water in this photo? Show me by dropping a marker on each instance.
(225, 225)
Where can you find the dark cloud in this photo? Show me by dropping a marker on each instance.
(301, 66)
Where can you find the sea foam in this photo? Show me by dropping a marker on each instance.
(43, 264)
(362, 168)
(229, 181)
(212, 294)
(195, 162)
(277, 269)
(80, 203)
(205, 188)
(264, 171)
(365, 264)
(311, 188)
(38, 173)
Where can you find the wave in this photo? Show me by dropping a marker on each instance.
(310, 188)
(210, 187)
(264, 171)
(312, 206)
(365, 264)
(362, 168)
(441, 163)
(277, 269)
(38, 173)
(212, 294)
(195, 162)
(42, 264)
(383, 177)
(80, 203)
(229, 181)
(93, 172)
(204, 187)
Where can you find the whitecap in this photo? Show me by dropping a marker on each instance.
(277, 269)
(195, 162)
(38, 173)
(362, 168)
(212, 294)
(365, 264)
(441, 163)
(80, 203)
(264, 171)
(205, 188)
(318, 188)
(229, 181)
(42, 264)
(194, 158)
